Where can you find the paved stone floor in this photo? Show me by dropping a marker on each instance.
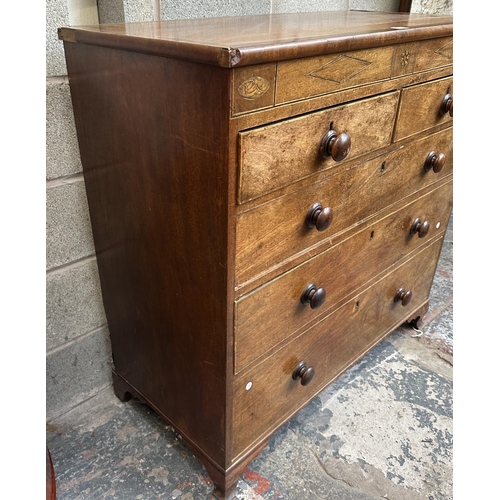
(382, 430)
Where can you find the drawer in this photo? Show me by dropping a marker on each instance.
(421, 107)
(415, 57)
(267, 395)
(276, 155)
(276, 306)
(312, 76)
(275, 231)
(434, 53)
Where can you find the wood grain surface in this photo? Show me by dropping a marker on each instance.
(160, 233)
(50, 477)
(434, 54)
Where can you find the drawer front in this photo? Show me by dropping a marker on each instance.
(303, 78)
(330, 347)
(420, 107)
(277, 155)
(434, 53)
(276, 307)
(276, 231)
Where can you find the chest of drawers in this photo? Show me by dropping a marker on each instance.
(268, 198)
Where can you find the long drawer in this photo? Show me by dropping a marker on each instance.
(267, 395)
(277, 155)
(277, 307)
(275, 231)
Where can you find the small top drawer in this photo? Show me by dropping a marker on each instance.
(424, 106)
(276, 155)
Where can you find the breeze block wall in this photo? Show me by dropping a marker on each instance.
(78, 349)
(444, 7)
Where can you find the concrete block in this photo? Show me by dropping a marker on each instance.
(68, 230)
(138, 10)
(432, 7)
(76, 372)
(309, 5)
(62, 153)
(56, 15)
(125, 11)
(73, 303)
(376, 5)
(111, 11)
(170, 9)
(83, 12)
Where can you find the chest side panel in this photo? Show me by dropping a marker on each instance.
(157, 183)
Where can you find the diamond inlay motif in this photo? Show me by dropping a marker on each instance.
(340, 69)
(446, 50)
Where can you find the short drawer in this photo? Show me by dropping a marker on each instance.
(423, 107)
(280, 308)
(276, 231)
(267, 395)
(276, 155)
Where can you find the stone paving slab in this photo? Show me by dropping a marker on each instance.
(384, 429)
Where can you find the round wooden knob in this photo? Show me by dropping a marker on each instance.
(404, 296)
(422, 228)
(335, 145)
(434, 161)
(446, 105)
(305, 374)
(313, 296)
(319, 217)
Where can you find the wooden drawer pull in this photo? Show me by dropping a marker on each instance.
(305, 374)
(404, 296)
(319, 217)
(447, 105)
(434, 161)
(335, 145)
(313, 296)
(422, 228)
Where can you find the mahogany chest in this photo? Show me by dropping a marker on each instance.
(268, 197)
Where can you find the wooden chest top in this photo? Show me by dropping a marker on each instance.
(246, 40)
